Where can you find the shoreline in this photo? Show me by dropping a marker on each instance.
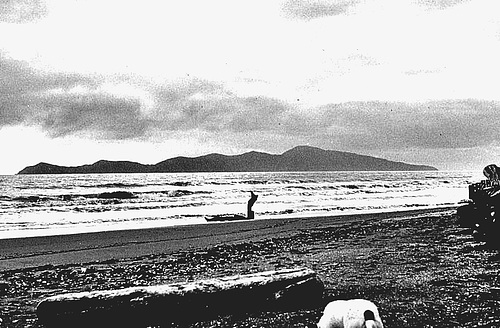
(179, 222)
(26, 252)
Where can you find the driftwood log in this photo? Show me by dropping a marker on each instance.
(183, 303)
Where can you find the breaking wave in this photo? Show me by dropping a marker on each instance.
(48, 201)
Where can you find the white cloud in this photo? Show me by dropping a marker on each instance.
(234, 43)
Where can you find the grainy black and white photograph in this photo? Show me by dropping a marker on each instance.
(265, 163)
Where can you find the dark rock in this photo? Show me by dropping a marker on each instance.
(33, 199)
(4, 287)
(116, 195)
(66, 197)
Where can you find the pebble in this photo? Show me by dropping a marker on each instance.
(4, 287)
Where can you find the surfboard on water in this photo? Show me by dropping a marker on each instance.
(226, 217)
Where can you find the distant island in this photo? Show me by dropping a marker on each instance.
(301, 158)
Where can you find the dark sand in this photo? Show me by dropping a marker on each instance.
(420, 267)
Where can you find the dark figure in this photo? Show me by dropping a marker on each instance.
(253, 199)
(491, 172)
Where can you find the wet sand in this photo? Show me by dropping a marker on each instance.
(420, 267)
(20, 253)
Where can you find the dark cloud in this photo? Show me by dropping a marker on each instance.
(21, 11)
(348, 126)
(436, 124)
(440, 4)
(101, 115)
(29, 97)
(65, 105)
(208, 106)
(310, 9)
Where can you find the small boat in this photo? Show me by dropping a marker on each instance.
(236, 217)
(225, 217)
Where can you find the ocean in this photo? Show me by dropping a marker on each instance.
(37, 205)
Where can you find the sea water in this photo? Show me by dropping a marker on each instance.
(35, 205)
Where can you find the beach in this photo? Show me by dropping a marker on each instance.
(418, 266)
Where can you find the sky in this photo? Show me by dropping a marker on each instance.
(407, 80)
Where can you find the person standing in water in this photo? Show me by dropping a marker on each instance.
(253, 199)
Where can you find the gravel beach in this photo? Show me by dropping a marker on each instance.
(419, 267)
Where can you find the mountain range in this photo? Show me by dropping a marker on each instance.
(300, 158)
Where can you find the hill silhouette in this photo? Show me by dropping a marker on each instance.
(300, 158)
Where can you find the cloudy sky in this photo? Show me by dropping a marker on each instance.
(407, 80)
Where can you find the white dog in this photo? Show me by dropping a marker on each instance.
(355, 313)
